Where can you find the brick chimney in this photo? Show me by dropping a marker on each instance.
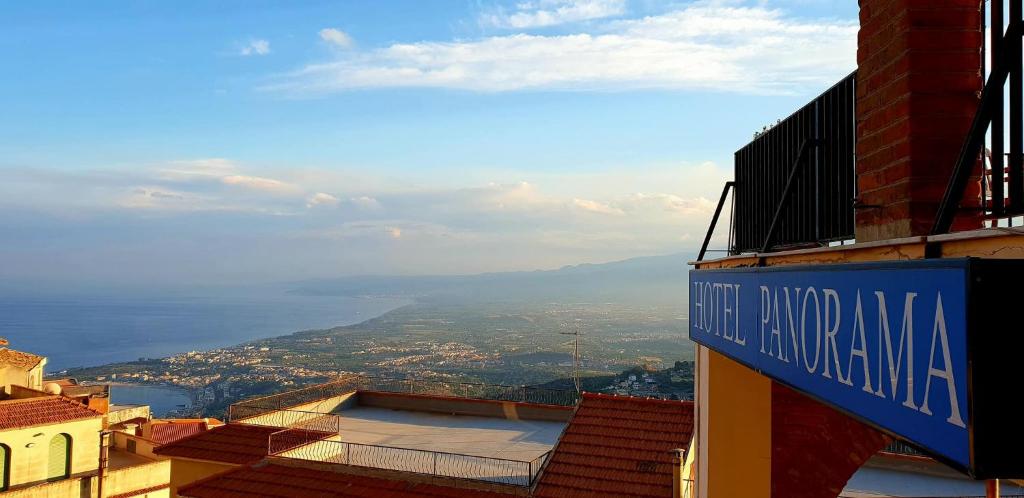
(918, 84)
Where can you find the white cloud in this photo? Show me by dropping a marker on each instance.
(336, 37)
(255, 47)
(260, 183)
(542, 13)
(214, 167)
(596, 207)
(322, 199)
(152, 197)
(365, 202)
(227, 211)
(702, 46)
(673, 203)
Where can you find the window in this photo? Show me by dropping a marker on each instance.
(5, 466)
(59, 464)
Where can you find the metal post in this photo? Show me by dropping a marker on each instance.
(104, 461)
(714, 220)
(998, 169)
(976, 138)
(678, 460)
(790, 182)
(1016, 101)
(992, 488)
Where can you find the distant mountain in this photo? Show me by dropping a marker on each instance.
(654, 280)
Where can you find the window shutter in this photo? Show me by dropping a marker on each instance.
(5, 466)
(60, 457)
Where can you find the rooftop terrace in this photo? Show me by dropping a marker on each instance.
(445, 430)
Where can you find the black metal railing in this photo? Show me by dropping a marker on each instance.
(317, 421)
(288, 444)
(258, 406)
(522, 394)
(902, 448)
(795, 183)
(997, 121)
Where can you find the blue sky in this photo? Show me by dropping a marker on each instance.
(181, 142)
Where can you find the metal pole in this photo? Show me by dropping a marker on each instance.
(104, 460)
(975, 139)
(992, 488)
(998, 160)
(1016, 107)
(714, 220)
(790, 182)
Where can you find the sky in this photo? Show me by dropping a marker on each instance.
(204, 142)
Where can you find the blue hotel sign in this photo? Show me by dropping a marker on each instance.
(888, 343)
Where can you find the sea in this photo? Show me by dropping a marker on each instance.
(75, 331)
(161, 399)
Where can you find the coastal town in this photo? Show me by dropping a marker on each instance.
(624, 349)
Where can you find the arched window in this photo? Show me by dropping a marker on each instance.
(59, 464)
(5, 466)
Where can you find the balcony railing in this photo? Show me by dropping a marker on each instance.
(795, 183)
(287, 444)
(288, 418)
(901, 448)
(998, 120)
(352, 383)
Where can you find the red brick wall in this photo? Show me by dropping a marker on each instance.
(919, 74)
(815, 449)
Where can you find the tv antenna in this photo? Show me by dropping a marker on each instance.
(575, 354)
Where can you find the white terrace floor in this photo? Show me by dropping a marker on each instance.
(522, 440)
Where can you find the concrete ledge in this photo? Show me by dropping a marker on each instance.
(462, 406)
(1001, 243)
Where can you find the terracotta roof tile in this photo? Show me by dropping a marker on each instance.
(169, 432)
(18, 359)
(279, 481)
(29, 412)
(617, 446)
(232, 443)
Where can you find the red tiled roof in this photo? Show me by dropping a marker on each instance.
(618, 446)
(169, 432)
(45, 410)
(279, 481)
(232, 443)
(18, 359)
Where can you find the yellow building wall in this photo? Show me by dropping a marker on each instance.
(184, 471)
(143, 446)
(116, 482)
(31, 378)
(30, 448)
(735, 429)
(145, 476)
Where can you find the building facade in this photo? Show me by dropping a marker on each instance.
(846, 314)
(52, 445)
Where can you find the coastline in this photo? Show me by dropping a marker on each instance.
(193, 393)
(170, 350)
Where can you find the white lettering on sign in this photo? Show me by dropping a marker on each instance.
(804, 328)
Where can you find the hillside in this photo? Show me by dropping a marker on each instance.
(648, 280)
